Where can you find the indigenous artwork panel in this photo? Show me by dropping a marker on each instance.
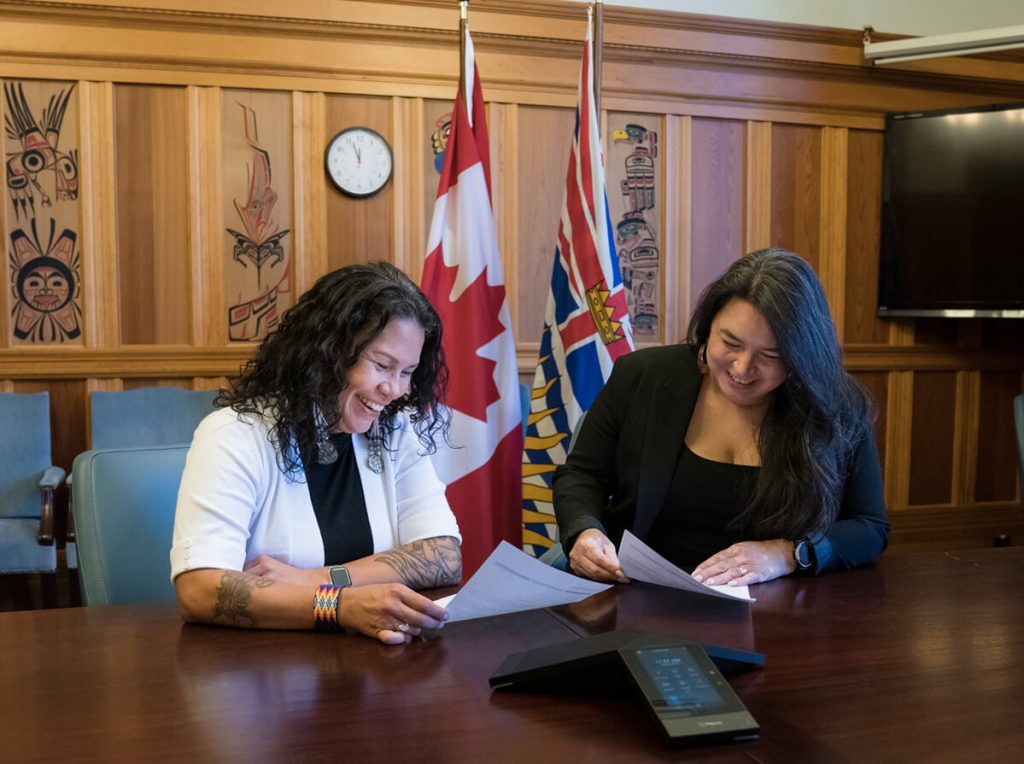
(40, 148)
(257, 171)
(635, 193)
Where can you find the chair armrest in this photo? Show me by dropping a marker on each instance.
(51, 478)
(69, 535)
(45, 535)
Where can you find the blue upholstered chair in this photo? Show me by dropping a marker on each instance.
(147, 416)
(27, 482)
(1018, 421)
(124, 505)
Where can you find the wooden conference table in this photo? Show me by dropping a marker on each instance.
(917, 659)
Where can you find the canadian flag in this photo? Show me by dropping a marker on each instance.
(462, 277)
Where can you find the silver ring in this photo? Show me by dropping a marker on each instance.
(743, 571)
(402, 627)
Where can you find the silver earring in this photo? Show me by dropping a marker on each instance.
(326, 453)
(375, 461)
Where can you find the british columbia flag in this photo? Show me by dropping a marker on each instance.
(586, 323)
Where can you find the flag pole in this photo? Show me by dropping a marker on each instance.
(598, 33)
(463, 26)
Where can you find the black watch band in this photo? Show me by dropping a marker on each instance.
(340, 576)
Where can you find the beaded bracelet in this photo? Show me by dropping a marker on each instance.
(325, 607)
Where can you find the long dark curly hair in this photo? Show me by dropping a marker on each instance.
(303, 363)
(819, 412)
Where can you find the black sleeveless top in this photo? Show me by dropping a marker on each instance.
(703, 499)
(336, 491)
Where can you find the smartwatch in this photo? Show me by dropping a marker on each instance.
(340, 576)
(803, 556)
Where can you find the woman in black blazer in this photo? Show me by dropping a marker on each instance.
(744, 455)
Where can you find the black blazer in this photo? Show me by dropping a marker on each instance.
(621, 467)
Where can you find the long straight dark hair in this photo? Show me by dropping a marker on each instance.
(303, 363)
(819, 412)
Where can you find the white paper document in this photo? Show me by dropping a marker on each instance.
(510, 580)
(641, 563)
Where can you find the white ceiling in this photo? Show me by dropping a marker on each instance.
(909, 17)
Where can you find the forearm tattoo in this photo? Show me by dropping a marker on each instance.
(428, 563)
(234, 595)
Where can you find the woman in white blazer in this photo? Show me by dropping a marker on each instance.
(308, 499)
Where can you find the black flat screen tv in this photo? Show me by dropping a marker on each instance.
(953, 214)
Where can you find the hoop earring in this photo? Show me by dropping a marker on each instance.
(326, 453)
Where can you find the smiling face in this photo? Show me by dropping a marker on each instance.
(382, 374)
(742, 355)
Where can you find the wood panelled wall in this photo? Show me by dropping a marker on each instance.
(771, 135)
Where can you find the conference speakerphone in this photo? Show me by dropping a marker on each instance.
(680, 682)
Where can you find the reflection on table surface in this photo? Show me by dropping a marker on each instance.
(914, 659)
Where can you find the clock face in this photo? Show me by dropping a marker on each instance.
(359, 161)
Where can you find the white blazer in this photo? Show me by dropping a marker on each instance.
(235, 503)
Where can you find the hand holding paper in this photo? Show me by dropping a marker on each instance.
(510, 580)
(642, 563)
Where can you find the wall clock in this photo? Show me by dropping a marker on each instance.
(359, 161)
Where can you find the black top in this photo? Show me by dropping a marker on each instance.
(620, 470)
(336, 491)
(696, 519)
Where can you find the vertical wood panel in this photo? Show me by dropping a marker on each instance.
(965, 436)
(932, 438)
(359, 230)
(209, 323)
(757, 201)
(152, 200)
(677, 223)
(310, 190)
(796, 191)
(832, 245)
(545, 135)
(995, 461)
(410, 227)
(899, 410)
(99, 215)
(718, 199)
(863, 222)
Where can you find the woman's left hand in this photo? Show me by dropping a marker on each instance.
(269, 567)
(748, 562)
